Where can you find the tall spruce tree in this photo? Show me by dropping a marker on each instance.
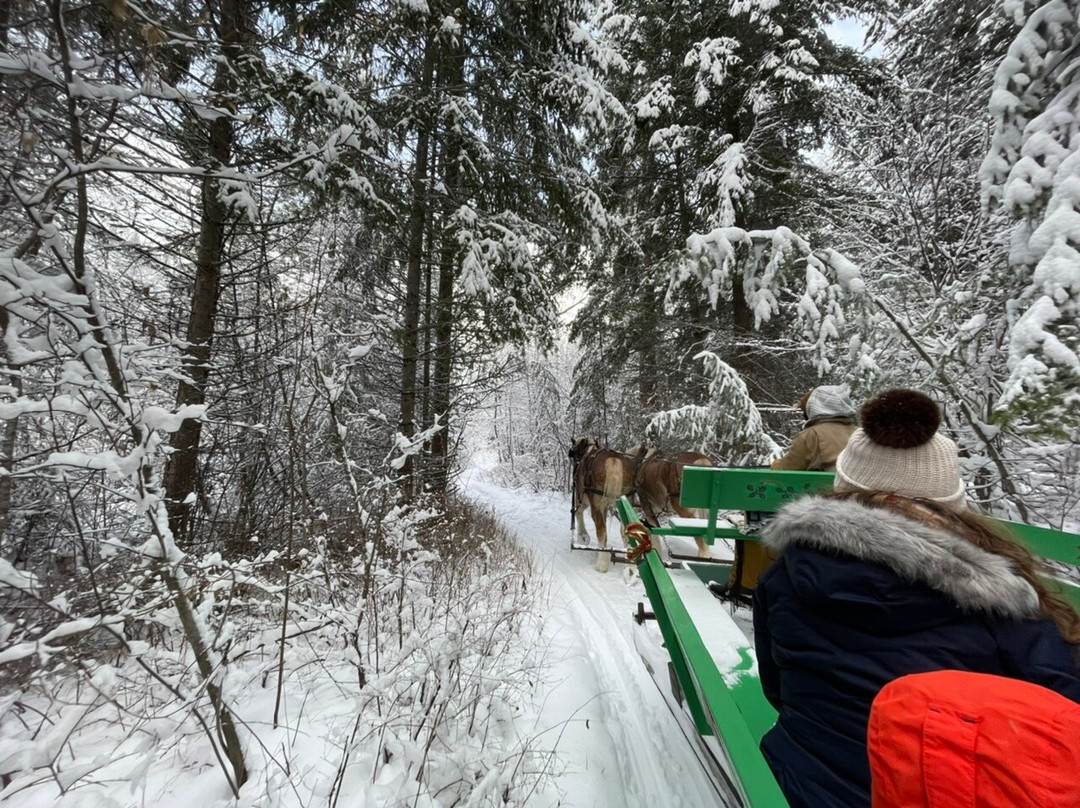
(492, 206)
(726, 103)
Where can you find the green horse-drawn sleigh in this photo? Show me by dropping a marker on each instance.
(695, 646)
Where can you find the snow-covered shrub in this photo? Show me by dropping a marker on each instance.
(406, 681)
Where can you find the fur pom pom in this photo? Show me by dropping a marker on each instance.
(900, 419)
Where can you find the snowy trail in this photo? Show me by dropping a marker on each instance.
(620, 746)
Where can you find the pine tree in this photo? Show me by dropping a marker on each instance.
(1030, 171)
(148, 140)
(725, 102)
(936, 260)
(484, 100)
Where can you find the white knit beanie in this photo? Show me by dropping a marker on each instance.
(899, 450)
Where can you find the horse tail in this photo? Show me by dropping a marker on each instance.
(613, 479)
(674, 477)
(702, 513)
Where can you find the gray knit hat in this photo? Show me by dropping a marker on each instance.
(829, 401)
(899, 450)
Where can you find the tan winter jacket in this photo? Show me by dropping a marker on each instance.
(817, 447)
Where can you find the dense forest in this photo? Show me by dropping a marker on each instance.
(273, 271)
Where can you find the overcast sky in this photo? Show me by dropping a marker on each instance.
(849, 31)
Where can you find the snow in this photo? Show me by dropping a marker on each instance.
(711, 58)
(729, 425)
(1031, 332)
(169, 421)
(619, 744)
(764, 259)
(15, 578)
(1032, 170)
(724, 639)
(656, 101)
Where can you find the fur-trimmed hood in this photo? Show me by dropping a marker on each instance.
(974, 579)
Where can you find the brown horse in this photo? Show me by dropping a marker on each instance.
(659, 482)
(601, 476)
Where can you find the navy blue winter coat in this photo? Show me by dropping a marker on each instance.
(861, 596)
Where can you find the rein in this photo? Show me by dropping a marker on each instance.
(573, 492)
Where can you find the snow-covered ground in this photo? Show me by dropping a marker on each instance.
(559, 711)
(619, 744)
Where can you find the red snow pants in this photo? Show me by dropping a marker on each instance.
(952, 739)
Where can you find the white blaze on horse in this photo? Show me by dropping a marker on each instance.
(601, 476)
(659, 482)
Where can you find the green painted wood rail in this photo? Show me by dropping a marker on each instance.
(730, 704)
(762, 491)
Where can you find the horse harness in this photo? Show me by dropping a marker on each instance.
(588, 486)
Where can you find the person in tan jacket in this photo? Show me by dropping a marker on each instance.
(830, 421)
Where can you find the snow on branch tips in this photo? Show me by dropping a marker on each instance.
(500, 266)
(1032, 174)
(726, 179)
(765, 260)
(729, 426)
(17, 579)
(711, 58)
(409, 446)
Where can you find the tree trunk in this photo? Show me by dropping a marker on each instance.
(646, 381)
(79, 271)
(410, 329)
(648, 338)
(13, 374)
(742, 324)
(444, 363)
(182, 468)
(12, 371)
(430, 240)
(425, 352)
(742, 328)
(453, 79)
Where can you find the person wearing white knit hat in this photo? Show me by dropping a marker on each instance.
(889, 575)
(899, 450)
